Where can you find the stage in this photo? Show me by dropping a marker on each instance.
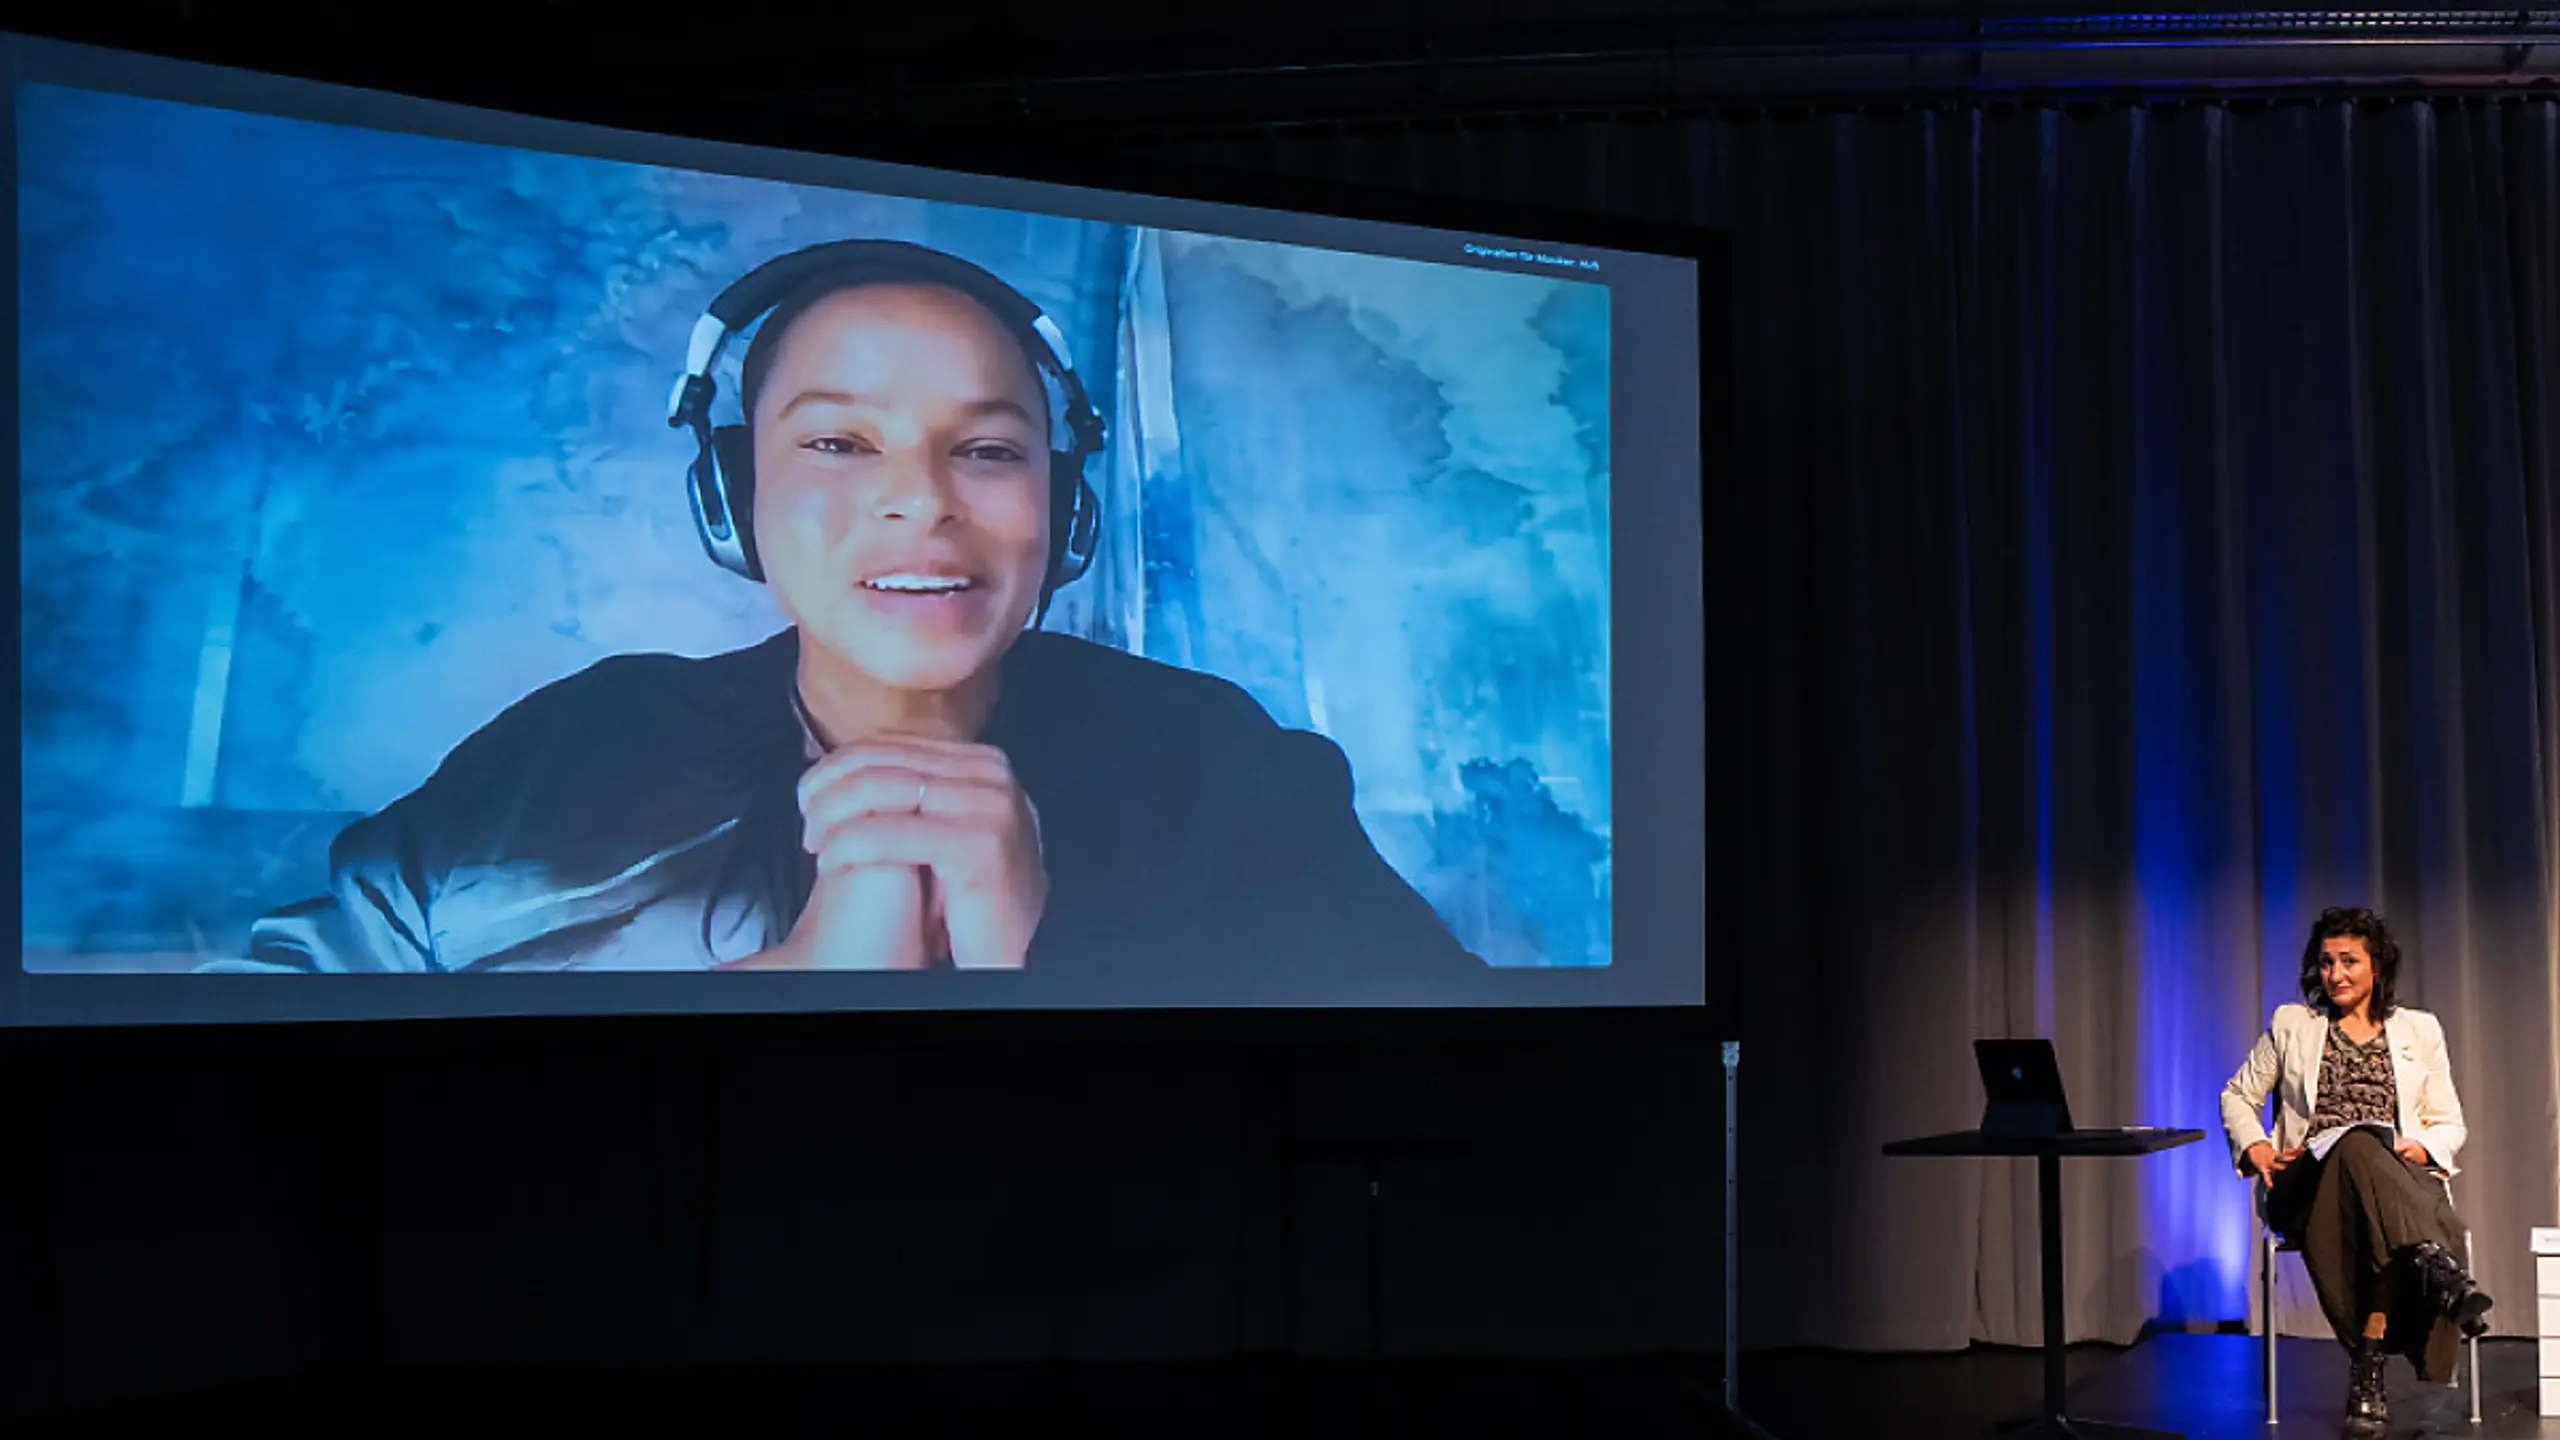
(2204, 1386)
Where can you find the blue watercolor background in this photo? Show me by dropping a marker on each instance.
(334, 442)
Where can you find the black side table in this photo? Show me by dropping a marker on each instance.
(2049, 1151)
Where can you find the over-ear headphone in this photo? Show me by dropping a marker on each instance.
(721, 481)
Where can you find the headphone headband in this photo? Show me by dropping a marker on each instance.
(888, 261)
(876, 262)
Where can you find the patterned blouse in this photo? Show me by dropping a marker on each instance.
(2356, 1085)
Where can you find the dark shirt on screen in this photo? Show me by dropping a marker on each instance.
(642, 815)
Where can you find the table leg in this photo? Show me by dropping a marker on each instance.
(2053, 1425)
(2049, 1231)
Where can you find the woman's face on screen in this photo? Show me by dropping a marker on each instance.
(902, 483)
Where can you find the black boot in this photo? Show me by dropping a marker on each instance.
(2368, 1401)
(2449, 1288)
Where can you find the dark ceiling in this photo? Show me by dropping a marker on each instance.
(972, 64)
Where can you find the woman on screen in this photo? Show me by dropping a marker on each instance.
(2367, 1126)
(912, 775)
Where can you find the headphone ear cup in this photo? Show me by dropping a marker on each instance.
(1075, 520)
(733, 466)
(1085, 535)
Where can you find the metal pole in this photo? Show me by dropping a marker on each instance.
(2266, 1247)
(2049, 1202)
(1733, 1252)
(2474, 1341)
(1732, 1247)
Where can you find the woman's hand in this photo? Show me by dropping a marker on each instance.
(2411, 1151)
(867, 917)
(2264, 1159)
(909, 807)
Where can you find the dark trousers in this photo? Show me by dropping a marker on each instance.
(2355, 1215)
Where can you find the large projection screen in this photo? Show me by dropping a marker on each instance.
(479, 565)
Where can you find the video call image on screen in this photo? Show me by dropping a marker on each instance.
(439, 557)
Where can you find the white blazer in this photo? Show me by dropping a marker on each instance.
(2286, 1060)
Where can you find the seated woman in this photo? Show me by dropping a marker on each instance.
(2377, 1230)
(913, 775)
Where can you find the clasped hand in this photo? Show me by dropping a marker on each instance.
(925, 848)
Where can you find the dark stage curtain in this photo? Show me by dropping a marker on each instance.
(2138, 534)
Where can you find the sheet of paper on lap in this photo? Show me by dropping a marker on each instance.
(2320, 1143)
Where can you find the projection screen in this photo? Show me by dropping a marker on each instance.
(471, 564)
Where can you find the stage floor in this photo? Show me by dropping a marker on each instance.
(2207, 1386)
(2204, 1386)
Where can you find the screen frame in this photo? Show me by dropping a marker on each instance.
(1058, 176)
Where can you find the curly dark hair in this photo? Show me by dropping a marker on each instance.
(2362, 924)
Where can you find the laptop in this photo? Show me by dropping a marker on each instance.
(2021, 1089)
